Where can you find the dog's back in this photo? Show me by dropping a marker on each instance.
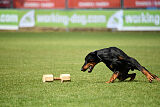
(111, 54)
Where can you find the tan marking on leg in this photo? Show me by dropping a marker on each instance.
(114, 76)
(155, 77)
(148, 75)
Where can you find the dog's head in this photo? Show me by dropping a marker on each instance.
(90, 61)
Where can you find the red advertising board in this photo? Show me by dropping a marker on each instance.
(5, 3)
(44, 4)
(94, 3)
(141, 3)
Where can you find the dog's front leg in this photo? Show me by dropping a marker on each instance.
(114, 76)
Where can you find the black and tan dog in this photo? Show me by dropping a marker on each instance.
(118, 62)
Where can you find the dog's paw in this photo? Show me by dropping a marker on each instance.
(108, 82)
(150, 78)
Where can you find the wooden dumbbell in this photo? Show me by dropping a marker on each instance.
(50, 78)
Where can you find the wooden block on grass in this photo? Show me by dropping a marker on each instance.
(65, 77)
(47, 78)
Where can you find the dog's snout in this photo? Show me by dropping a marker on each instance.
(82, 69)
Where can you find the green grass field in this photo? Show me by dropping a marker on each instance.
(25, 57)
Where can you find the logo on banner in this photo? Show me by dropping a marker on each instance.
(28, 19)
(75, 19)
(143, 18)
(116, 20)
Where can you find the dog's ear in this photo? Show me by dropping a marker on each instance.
(94, 53)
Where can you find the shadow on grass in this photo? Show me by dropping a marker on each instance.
(126, 81)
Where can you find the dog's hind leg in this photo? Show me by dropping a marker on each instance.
(125, 76)
(153, 75)
(114, 76)
(132, 76)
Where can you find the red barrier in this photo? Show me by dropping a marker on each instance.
(94, 3)
(5, 3)
(141, 3)
(44, 4)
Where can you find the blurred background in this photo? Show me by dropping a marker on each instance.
(122, 15)
(80, 4)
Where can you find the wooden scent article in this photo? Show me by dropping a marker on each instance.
(47, 78)
(65, 77)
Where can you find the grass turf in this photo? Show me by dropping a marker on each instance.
(25, 57)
